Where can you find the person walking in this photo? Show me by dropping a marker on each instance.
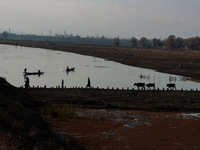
(88, 84)
(27, 83)
(62, 83)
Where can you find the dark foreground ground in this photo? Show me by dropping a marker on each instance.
(120, 99)
(127, 119)
(21, 127)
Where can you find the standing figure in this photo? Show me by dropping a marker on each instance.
(25, 70)
(27, 83)
(62, 83)
(88, 84)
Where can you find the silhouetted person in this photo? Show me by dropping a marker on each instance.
(88, 84)
(27, 83)
(25, 70)
(62, 83)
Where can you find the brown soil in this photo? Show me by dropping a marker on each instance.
(127, 130)
(161, 60)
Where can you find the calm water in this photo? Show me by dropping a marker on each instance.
(102, 73)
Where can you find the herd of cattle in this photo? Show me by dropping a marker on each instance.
(150, 86)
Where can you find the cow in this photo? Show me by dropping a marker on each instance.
(149, 85)
(171, 86)
(142, 85)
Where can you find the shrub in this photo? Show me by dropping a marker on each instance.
(63, 112)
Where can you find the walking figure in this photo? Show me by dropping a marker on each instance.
(88, 84)
(62, 83)
(27, 83)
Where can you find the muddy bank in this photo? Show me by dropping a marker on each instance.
(161, 60)
(128, 130)
(120, 99)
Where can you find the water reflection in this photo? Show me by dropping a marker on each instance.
(102, 73)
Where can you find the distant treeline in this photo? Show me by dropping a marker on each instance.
(172, 42)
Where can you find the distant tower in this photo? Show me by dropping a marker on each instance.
(65, 33)
(50, 33)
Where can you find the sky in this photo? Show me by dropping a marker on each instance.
(110, 18)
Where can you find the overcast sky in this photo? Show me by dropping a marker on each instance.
(110, 18)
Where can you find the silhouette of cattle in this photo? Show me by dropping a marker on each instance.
(140, 85)
(150, 85)
(171, 86)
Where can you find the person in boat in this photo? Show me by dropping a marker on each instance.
(70, 69)
(27, 83)
(25, 70)
(88, 84)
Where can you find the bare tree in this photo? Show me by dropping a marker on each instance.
(171, 42)
(143, 42)
(157, 43)
(117, 41)
(180, 43)
(194, 43)
(5, 34)
(134, 42)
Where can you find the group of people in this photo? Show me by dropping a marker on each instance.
(62, 84)
(88, 83)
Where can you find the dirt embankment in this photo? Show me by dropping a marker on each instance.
(120, 99)
(21, 128)
(161, 60)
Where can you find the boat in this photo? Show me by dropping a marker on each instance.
(32, 73)
(70, 69)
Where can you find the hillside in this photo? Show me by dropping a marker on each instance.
(20, 127)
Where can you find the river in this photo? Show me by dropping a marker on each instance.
(102, 73)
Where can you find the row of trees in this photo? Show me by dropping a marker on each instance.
(172, 43)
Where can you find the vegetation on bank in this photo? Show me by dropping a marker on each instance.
(62, 112)
(171, 42)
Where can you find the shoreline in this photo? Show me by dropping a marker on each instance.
(165, 61)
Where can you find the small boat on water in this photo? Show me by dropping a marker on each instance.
(33, 73)
(70, 69)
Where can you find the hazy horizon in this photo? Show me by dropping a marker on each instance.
(110, 18)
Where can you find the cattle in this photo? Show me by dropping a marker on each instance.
(150, 85)
(171, 86)
(140, 85)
